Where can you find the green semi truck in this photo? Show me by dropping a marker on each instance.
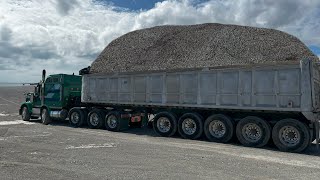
(52, 98)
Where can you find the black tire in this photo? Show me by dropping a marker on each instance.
(95, 118)
(25, 115)
(219, 128)
(112, 121)
(169, 119)
(299, 130)
(45, 117)
(253, 131)
(76, 117)
(195, 121)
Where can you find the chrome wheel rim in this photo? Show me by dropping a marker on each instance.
(163, 124)
(217, 128)
(75, 118)
(94, 119)
(252, 132)
(189, 126)
(24, 113)
(43, 115)
(289, 136)
(112, 121)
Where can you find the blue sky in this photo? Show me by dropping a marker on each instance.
(139, 4)
(133, 4)
(63, 36)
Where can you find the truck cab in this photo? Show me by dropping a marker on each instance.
(52, 98)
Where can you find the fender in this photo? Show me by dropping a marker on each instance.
(28, 104)
(45, 107)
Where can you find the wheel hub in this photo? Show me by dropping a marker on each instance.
(75, 117)
(189, 126)
(112, 121)
(252, 132)
(289, 136)
(163, 124)
(217, 128)
(94, 119)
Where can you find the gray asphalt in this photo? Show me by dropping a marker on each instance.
(57, 151)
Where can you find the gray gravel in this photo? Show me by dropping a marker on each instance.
(199, 46)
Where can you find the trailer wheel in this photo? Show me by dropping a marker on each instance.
(112, 121)
(219, 128)
(76, 117)
(95, 118)
(253, 131)
(25, 114)
(291, 135)
(190, 126)
(165, 124)
(45, 117)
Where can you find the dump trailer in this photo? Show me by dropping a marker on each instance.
(254, 104)
(213, 80)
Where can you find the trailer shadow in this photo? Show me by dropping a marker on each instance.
(148, 131)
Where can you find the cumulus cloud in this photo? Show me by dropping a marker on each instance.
(63, 6)
(65, 36)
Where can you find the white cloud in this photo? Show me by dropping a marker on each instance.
(65, 36)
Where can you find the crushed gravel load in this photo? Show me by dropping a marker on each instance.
(199, 46)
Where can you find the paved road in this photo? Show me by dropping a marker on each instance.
(57, 151)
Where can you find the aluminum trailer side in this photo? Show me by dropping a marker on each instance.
(253, 103)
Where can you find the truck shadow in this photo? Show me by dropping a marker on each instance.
(148, 131)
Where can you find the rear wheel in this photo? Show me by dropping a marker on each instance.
(25, 114)
(219, 128)
(95, 118)
(165, 124)
(76, 117)
(112, 121)
(253, 131)
(45, 117)
(190, 126)
(291, 135)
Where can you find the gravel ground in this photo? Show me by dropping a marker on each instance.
(199, 46)
(57, 151)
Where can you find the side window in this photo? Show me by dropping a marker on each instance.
(53, 92)
(56, 87)
(49, 80)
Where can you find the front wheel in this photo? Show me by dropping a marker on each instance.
(45, 117)
(25, 114)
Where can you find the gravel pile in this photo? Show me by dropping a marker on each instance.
(199, 46)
